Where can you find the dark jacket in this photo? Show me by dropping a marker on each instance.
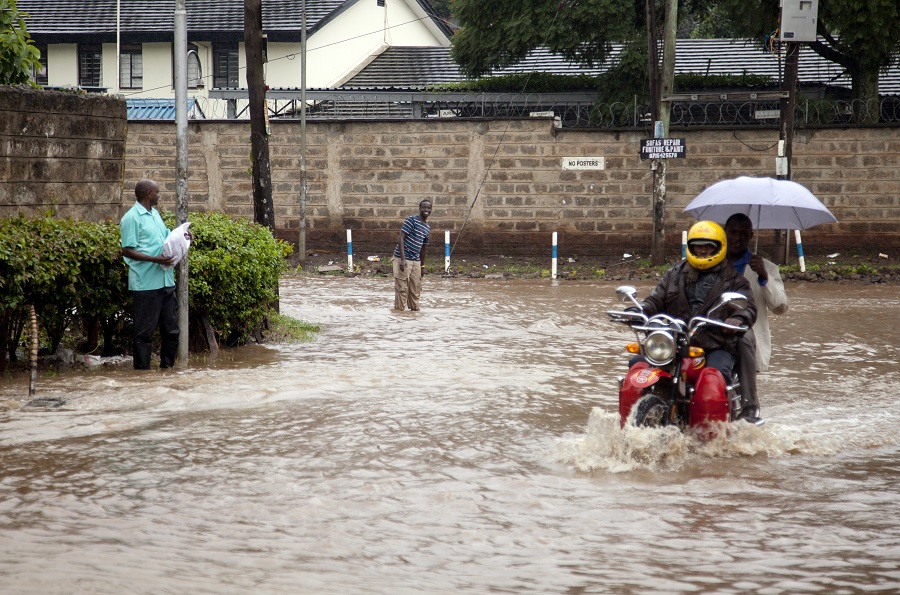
(671, 296)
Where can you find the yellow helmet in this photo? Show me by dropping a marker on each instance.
(701, 232)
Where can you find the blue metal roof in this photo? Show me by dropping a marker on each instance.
(157, 109)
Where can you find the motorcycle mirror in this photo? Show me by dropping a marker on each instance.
(732, 299)
(626, 292)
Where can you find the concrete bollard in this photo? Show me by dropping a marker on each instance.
(800, 251)
(349, 251)
(555, 258)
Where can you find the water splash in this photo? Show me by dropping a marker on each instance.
(607, 447)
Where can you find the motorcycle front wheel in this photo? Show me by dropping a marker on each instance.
(650, 412)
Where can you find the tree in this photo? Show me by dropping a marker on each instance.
(18, 56)
(500, 33)
(263, 208)
(863, 36)
(442, 8)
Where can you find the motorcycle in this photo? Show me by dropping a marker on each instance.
(670, 384)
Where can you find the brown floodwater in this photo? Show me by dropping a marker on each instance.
(469, 448)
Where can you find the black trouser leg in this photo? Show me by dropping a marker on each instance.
(147, 305)
(156, 307)
(168, 328)
(722, 361)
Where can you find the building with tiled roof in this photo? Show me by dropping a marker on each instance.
(406, 82)
(420, 67)
(78, 40)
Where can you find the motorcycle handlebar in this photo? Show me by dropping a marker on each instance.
(699, 321)
(627, 317)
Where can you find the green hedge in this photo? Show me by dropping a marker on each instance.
(234, 270)
(73, 273)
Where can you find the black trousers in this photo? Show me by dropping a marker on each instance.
(155, 308)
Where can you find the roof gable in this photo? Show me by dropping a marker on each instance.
(49, 17)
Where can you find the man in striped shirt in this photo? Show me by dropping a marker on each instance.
(409, 258)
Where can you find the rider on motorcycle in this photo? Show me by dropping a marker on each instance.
(692, 287)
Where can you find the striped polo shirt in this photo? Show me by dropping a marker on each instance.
(417, 234)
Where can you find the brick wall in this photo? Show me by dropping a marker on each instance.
(61, 151)
(367, 176)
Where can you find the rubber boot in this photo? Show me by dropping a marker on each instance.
(142, 353)
(168, 353)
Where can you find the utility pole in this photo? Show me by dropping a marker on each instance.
(661, 91)
(263, 208)
(301, 239)
(181, 173)
(786, 138)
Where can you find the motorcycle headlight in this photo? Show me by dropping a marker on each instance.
(659, 348)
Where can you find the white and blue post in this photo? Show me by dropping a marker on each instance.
(349, 251)
(555, 259)
(683, 245)
(447, 251)
(800, 251)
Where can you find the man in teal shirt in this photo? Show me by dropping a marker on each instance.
(152, 288)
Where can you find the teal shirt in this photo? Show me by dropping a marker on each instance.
(145, 231)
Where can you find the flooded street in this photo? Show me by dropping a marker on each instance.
(470, 448)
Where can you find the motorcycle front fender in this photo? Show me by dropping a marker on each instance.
(639, 378)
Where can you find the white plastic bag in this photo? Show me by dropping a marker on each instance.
(177, 244)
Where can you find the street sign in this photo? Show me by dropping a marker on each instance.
(663, 148)
(584, 162)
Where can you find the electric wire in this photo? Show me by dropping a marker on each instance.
(500, 142)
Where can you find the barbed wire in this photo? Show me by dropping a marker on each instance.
(574, 114)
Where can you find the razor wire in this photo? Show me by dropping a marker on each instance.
(569, 114)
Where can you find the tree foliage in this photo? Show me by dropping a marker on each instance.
(234, 270)
(18, 56)
(500, 33)
(863, 36)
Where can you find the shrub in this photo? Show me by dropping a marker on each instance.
(74, 274)
(234, 270)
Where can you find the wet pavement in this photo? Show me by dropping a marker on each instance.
(471, 447)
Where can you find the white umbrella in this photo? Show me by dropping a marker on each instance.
(770, 203)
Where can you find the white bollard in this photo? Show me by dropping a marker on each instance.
(349, 251)
(683, 245)
(447, 251)
(800, 251)
(553, 262)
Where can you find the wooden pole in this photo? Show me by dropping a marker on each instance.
(786, 139)
(263, 209)
(661, 92)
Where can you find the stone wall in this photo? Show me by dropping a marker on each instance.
(503, 179)
(61, 152)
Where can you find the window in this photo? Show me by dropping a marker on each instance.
(39, 74)
(131, 67)
(194, 69)
(90, 65)
(194, 72)
(225, 65)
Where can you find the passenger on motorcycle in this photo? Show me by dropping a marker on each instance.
(692, 287)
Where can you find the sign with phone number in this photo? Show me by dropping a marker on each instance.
(663, 148)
